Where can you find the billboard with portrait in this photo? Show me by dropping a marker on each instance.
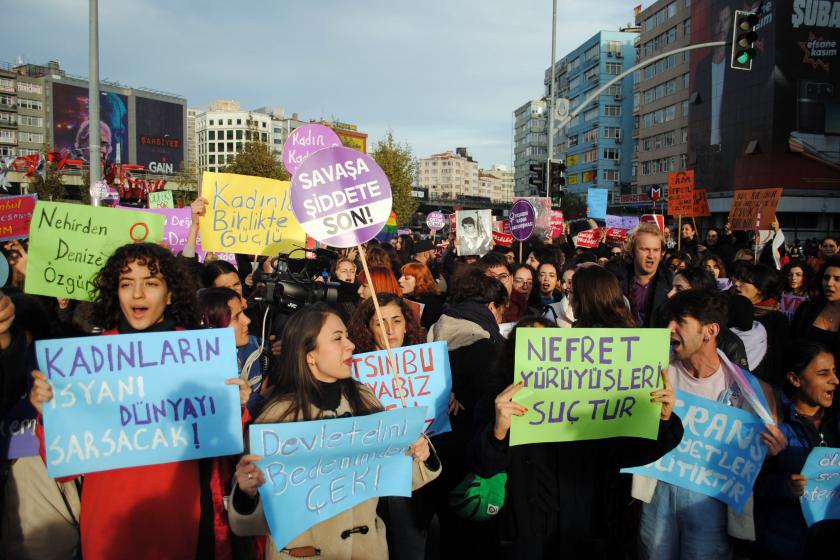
(777, 125)
(159, 134)
(71, 127)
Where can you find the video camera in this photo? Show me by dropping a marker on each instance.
(291, 286)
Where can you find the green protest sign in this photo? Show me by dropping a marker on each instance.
(583, 384)
(69, 243)
(161, 199)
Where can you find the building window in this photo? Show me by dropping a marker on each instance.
(614, 68)
(211, 135)
(611, 153)
(612, 110)
(591, 74)
(239, 122)
(230, 122)
(7, 101)
(211, 122)
(230, 135)
(612, 132)
(30, 104)
(687, 28)
(610, 174)
(592, 53)
(220, 147)
(591, 135)
(230, 147)
(239, 135)
(592, 114)
(7, 85)
(32, 137)
(590, 156)
(30, 121)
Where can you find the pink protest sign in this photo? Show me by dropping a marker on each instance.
(435, 220)
(341, 197)
(176, 228)
(305, 141)
(557, 223)
(589, 239)
(15, 216)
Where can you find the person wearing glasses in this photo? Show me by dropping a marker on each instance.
(495, 265)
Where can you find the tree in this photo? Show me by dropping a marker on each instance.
(399, 165)
(256, 158)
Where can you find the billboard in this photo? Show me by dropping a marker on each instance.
(159, 135)
(71, 127)
(777, 125)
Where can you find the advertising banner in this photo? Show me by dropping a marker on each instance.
(159, 135)
(71, 126)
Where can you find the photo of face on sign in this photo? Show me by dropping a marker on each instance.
(474, 234)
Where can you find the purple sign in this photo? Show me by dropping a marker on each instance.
(341, 197)
(176, 228)
(522, 218)
(435, 220)
(17, 431)
(304, 141)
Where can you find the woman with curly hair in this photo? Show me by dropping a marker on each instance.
(401, 327)
(155, 511)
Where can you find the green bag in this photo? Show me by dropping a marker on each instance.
(478, 498)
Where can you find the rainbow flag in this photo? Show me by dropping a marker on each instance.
(389, 230)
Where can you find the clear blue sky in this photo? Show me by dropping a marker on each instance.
(439, 73)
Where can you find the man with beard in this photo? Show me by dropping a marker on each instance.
(644, 284)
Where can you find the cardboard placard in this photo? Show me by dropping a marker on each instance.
(821, 499)
(70, 243)
(589, 239)
(315, 470)
(16, 215)
(596, 203)
(250, 215)
(681, 193)
(701, 204)
(425, 380)
(584, 384)
(720, 454)
(161, 199)
(139, 399)
(746, 205)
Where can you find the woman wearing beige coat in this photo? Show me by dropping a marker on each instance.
(313, 381)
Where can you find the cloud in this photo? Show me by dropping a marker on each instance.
(439, 73)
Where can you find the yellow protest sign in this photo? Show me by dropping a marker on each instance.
(250, 215)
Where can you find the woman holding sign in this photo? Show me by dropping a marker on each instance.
(809, 420)
(561, 496)
(157, 511)
(313, 380)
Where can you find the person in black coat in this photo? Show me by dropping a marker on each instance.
(646, 282)
(819, 319)
(560, 496)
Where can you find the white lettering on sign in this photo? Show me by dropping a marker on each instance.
(816, 13)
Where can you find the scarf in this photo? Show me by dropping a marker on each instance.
(124, 327)
(479, 314)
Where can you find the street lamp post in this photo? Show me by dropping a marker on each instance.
(95, 158)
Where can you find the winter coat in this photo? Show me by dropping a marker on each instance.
(662, 282)
(565, 492)
(803, 321)
(432, 308)
(781, 531)
(330, 537)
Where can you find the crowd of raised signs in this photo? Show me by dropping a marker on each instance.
(719, 446)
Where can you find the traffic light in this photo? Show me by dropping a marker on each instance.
(537, 176)
(556, 182)
(743, 37)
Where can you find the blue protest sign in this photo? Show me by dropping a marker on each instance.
(139, 399)
(425, 380)
(315, 470)
(596, 202)
(720, 453)
(821, 499)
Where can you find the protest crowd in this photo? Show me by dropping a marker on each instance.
(704, 459)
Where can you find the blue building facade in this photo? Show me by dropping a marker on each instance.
(597, 145)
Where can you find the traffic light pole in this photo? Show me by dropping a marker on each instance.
(597, 93)
(551, 98)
